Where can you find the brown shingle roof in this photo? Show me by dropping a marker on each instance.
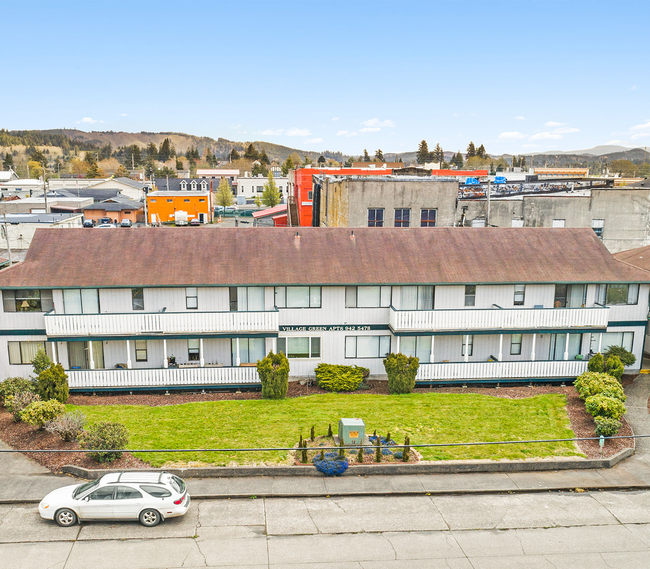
(241, 256)
(639, 257)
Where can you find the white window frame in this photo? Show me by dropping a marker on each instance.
(515, 346)
(602, 293)
(191, 298)
(21, 348)
(315, 346)
(519, 297)
(470, 295)
(351, 347)
(470, 344)
(140, 351)
(352, 296)
(314, 296)
(559, 223)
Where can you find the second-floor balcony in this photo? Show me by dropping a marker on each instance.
(496, 319)
(159, 323)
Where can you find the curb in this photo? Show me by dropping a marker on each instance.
(369, 470)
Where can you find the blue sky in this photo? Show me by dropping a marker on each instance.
(518, 77)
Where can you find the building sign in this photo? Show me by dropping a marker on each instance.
(344, 328)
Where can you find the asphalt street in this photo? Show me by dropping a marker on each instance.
(566, 530)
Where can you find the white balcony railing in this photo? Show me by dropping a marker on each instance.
(169, 377)
(446, 320)
(159, 323)
(501, 370)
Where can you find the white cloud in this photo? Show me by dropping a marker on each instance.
(271, 132)
(342, 133)
(553, 123)
(377, 123)
(644, 126)
(370, 129)
(514, 134)
(335, 118)
(298, 132)
(545, 136)
(566, 130)
(633, 88)
(640, 135)
(123, 115)
(519, 118)
(88, 120)
(313, 140)
(531, 145)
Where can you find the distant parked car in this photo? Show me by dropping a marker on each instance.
(104, 220)
(146, 496)
(126, 223)
(245, 213)
(89, 223)
(105, 225)
(195, 222)
(230, 209)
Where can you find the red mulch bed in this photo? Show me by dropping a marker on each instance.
(23, 436)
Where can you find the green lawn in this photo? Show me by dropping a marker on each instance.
(426, 418)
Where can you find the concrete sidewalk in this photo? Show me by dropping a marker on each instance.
(24, 481)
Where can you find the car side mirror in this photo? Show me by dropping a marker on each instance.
(87, 499)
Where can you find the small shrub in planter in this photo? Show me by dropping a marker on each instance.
(15, 404)
(627, 358)
(274, 375)
(340, 378)
(601, 406)
(401, 371)
(40, 412)
(104, 436)
(68, 426)
(606, 426)
(52, 383)
(596, 363)
(14, 385)
(591, 383)
(614, 367)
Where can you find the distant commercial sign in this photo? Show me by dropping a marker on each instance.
(472, 182)
(500, 180)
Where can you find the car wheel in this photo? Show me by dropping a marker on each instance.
(65, 518)
(150, 518)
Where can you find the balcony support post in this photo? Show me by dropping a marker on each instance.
(433, 344)
(566, 347)
(201, 355)
(238, 359)
(54, 353)
(165, 364)
(500, 347)
(90, 355)
(600, 342)
(466, 347)
(128, 355)
(397, 338)
(532, 351)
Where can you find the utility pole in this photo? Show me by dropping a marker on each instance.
(487, 217)
(4, 214)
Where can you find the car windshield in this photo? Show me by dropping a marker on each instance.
(177, 484)
(82, 488)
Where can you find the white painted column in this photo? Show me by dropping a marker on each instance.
(397, 350)
(433, 345)
(466, 347)
(165, 364)
(90, 355)
(274, 345)
(201, 356)
(238, 359)
(128, 355)
(500, 347)
(600, 342)
(54, 353)
(532, 352)
(566, 348)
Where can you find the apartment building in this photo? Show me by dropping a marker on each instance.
(154, 308)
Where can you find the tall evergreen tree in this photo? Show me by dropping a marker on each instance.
(166, 150)
(422, 155)
(321, 160)
(287, 166)
(522, 162)
(264, 159)
(379, 156)
(8, 162)
(251, 153)
(366, 156)
(471, 151)
(93, 170)
(234, 155)
(438, 154)
(152, 151)
(481, 153)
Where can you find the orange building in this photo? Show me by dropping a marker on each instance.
(162, 206)
(117, 210)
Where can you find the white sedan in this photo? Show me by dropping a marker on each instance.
(146, 496)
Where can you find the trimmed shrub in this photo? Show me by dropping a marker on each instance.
(15, 404)
(601, 406)
(40, 412)
(274, 375)
(68, 426)
(614, 367)
(596, 363)
(591, 383)
(401, 371)
(14, 385)
(41, 362)
(332, 465)
(615, 393)
(104, 436)
(52, 383)
(627, 358)
(606, 426)
(340, 378)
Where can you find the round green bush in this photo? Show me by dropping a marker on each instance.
(104, 436)
(606, 426)
(614, 367)
(40, 412)
(627, 358)
(274, 375)
(15, 404)
(13, 385)
(601, 406)
(401, 371)
(615, 392)
(52, 383)
(596, 363)
(591, 383)
(340, 378)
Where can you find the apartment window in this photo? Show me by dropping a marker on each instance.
(191, 298)
(375, 217)
(246, 298)
(260, 189)
(470, 295)
(428, 217)
(416, 297)
(520, 295)
(570, 296)
(517, 222)
(418, 346)
(140, 350)
(367, 296)
(169, 201)
(558, 345)
(193, 350)
(153, 201)
(402, 217)
(202, 200)
(23, 352)
(300, 347)
(310, 195)
(27, 300)
(515, 344)
(137, 298)
(598, 225)
(470, 345)
(367, 346)
(559, 222)
(615, 294)
(623, 339)
(79, 354)
(298, 296)
(250, 350)
(81, 301)
(186, 200)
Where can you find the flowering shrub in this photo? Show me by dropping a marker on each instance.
(68, 426)
(104, 436)
(40, 412)
(15, 404)
(332, 465)
(13, 386)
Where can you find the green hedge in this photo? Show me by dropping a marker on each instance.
(340, 378)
